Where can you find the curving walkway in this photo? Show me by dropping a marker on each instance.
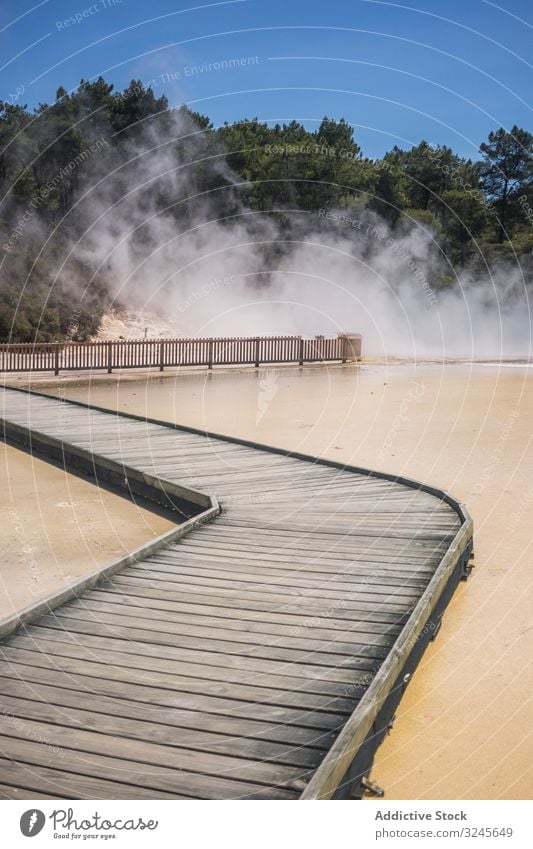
(260, 656)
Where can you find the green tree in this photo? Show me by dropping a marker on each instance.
(506, 171)
(132, 107)
(391, 193)
(429, 172)
(338, 134)
(466, 219)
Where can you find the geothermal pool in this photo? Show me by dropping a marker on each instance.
(463, 427)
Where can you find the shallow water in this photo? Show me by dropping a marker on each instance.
(462, 726)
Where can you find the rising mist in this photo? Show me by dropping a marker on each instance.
(211, 265)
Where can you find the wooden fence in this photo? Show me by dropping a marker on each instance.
(158, 353)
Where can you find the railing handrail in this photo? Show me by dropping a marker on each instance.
(168, 339)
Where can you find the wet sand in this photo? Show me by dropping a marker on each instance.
(463, 727)
(57, 527)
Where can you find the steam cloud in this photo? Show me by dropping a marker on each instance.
(211, 266)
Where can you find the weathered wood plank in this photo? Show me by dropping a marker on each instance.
(260, 624)
(293, 738)
(48, 783)
(165, 674)
(143, 776)
(299, 603)
(256, 750)
(149, 693)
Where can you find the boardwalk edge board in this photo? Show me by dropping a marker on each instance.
(351, 756)
(124, 478)
(336, 765)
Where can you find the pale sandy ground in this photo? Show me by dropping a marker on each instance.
(56, 527)
(464, 725)
(134, 324)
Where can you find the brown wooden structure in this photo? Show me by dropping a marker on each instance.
(258, 650)
(173, 353)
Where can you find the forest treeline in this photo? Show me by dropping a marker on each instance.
(54, 158)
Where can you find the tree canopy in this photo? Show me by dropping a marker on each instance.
(53, 156)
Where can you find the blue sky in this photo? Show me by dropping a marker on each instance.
(448, 72)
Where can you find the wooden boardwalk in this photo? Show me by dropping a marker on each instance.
(260, 656)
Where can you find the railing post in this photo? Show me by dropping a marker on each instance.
(257, 341)
(344, 351)
(210, 354)
(109, 357)
(351, 346)
(56, 359)
(300, 351)
(161, 356)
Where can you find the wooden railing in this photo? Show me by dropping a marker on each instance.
(161, 353)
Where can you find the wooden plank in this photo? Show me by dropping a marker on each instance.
(346, 546)
(302, 661)
(139, 751)
(117, 682)
(296, 570)
(154, 657)
(260, 624)
(10, 792)
(42, 782)
(97, 764)
(397, 598)
(212, 572)
(332, 527)
(283, 558)
(170, 675)
(371, 646)
(298, 604)
(136, 729)
(292, 738)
